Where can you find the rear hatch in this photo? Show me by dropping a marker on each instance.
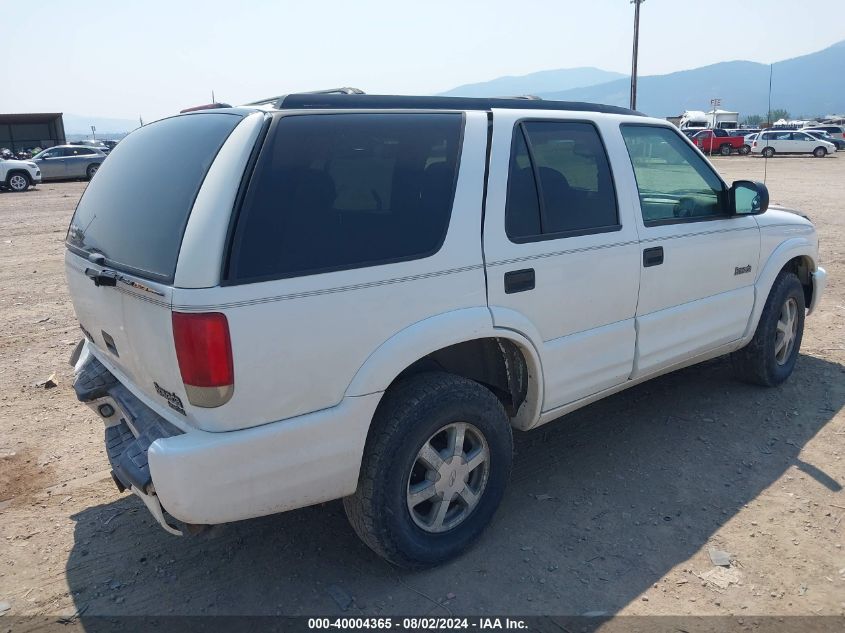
(123, 244)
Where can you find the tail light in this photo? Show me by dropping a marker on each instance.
(754, 144)
(204, 352)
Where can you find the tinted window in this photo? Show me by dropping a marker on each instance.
(522, 215)
(135, 211)
(339, 191)
(674, 181)
(83, 151)
(560, 181)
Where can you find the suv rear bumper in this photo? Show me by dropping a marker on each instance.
(208, 478)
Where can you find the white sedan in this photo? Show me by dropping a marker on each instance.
(773, 142)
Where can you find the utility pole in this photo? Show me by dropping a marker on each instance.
(636, 4)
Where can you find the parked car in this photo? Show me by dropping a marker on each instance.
(771, 142)
(824, 136)
(96, 144)
(69, 161)
(362, 301)
(836, 131)
(17, 175)
(748, 141)
(716, 140)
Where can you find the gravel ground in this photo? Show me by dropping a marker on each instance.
(612, 509)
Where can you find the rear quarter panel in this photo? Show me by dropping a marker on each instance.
(297, 343)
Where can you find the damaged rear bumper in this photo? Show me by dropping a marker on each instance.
(204, 478)
(131, 427)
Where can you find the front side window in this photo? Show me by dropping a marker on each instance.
(559, 183)
(340, 191)
(675, 183)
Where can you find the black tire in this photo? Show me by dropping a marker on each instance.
(758, 361)
(725, 150)
(18, 181)
(820, 152)
(768, 152)
(409, 417)
(745, 150)
(92, 169)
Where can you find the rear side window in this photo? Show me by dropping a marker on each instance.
(339, 191)
(136, 209)
(560, 182)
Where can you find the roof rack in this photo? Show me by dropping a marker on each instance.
(277, 101)
(331, 100)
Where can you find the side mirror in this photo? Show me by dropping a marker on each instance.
(748, 197)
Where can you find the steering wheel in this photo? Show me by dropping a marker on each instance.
(684, 208)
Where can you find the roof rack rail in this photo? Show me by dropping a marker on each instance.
(277, 101)
(526, 97)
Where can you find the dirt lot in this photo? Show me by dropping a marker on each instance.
(612, 509)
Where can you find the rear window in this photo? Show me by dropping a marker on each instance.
(135, 210)
(339, 191)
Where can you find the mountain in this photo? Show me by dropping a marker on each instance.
(81, 124)
(543, 81)
(806, 85)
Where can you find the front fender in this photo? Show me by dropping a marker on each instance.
(429, 335)
(786, 251)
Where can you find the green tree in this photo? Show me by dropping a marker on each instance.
(754, 119)
(779, 113)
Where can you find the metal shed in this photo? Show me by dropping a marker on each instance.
(20, 132)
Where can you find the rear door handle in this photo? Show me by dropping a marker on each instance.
(653, 256)
(519, 281)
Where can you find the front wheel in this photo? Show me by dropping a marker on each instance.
(820, 152)
(18, 182)
(92, 169)
(435, 468)
(725, 150)
(770, 357)
(768, 152)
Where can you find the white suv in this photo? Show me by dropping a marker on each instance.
(18, 175)
(355, 296)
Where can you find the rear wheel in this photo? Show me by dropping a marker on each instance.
(725, 150)
(768, 152)
(770, 357)
(18, 181)
(92, 169)
(744, 150)
(435, 468)
(820, 152)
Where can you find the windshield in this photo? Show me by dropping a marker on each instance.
(135, 211)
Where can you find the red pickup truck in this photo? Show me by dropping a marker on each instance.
(709, 141)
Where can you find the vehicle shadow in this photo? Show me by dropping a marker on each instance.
(601, 505)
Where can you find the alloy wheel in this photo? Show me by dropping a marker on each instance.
(786, 331)
(18, 183)
(448, 477)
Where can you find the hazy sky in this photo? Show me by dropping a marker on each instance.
(125, 58)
